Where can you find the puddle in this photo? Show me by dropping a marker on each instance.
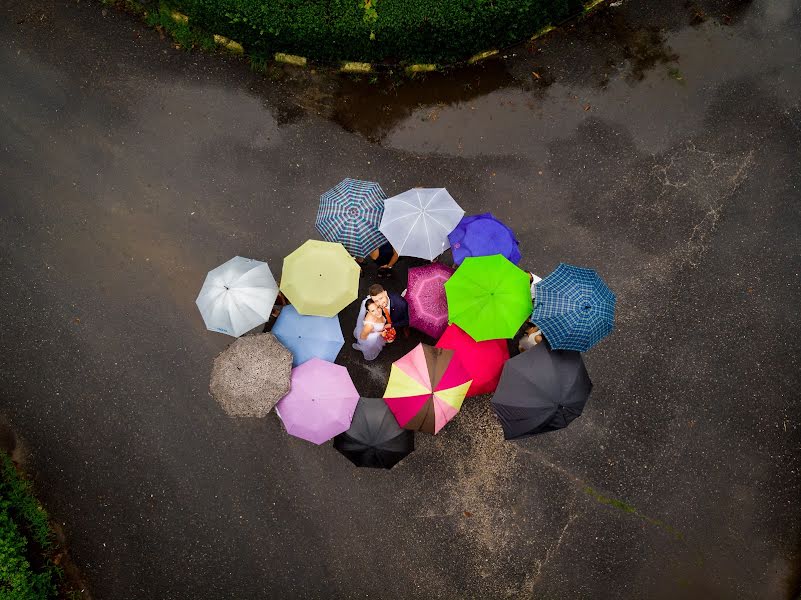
(372, 106)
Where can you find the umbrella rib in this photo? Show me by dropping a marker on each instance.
(430, 200)
(428, 238)
(409, 233)
(398, 199)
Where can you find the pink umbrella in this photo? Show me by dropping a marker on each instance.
(483, 361)
(428, 307)
(320, 402)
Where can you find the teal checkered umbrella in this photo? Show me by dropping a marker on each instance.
(575, 309)
(350, 213)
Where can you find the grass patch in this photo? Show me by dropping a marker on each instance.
(376, 31)
(610, 501)
(26, 571)
(674, 73)
(184, 35)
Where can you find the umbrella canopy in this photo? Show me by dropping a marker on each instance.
(374, 439)
(320, 403)
(541, 390)
(575, 309)
(426, 388)
(350, 213)
(428, 306)
(237, 296)
(320, 278)
(418, 221)
(483, 361)
(483, 235)
(488, 297)
(307, 337)
(251, 375)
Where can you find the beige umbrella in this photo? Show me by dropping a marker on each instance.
(251, 375)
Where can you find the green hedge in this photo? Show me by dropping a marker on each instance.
(412, 31)
(25, 536)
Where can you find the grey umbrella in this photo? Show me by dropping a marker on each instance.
(541, 390)
(251, 375)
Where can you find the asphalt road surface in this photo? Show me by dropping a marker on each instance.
(656, 142)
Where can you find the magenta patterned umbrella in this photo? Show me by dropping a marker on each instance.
(428, 307)
(320, 402)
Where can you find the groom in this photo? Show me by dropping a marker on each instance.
(398, 309)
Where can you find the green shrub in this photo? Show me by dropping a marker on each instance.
(24, 538)
(429, 31)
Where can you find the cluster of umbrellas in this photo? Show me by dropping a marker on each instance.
(472, 309)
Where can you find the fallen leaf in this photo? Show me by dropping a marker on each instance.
(467, 513)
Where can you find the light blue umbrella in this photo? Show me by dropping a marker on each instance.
(350, 213)
(574, 308)
(308, 337)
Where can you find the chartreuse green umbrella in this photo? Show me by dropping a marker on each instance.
(488, 297)
(320, 278)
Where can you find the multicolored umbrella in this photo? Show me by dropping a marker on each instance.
(237, 296)
(483, 361)
(575, 308)
(541, 390)
(483, 235)
(350, 213)
(426, 388)
(320, 278)
(374, 439)
(488, 297)
(418, 221)
(320, 403)
(428, 306)
(307, 337)
(251, 375)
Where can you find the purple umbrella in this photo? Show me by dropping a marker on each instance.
(483, 235)
(428, 307)
(320, 402)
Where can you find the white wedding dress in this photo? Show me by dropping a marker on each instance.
(372, 346)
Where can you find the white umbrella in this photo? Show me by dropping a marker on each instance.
(417, 222)
(237, 296)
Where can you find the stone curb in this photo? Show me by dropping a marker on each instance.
(179, 17)
(590, 6)
(231, 45)
(291, 59)
(481, 56)
(421, 68)
(355, 67)
(545, 30)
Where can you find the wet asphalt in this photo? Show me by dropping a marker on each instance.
(654, 141)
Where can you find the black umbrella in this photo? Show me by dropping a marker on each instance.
(374, 439)
(541, 390)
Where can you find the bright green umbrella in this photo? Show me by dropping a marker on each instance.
(320, 278)
(488, 297)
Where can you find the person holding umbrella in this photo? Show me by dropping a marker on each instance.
(385, 257)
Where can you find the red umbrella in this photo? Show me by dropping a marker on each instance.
(428, 307)
(483, 360)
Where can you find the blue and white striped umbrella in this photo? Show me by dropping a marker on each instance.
(350, 213)
(574, 308)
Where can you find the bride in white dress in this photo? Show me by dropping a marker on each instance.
(368, 332)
